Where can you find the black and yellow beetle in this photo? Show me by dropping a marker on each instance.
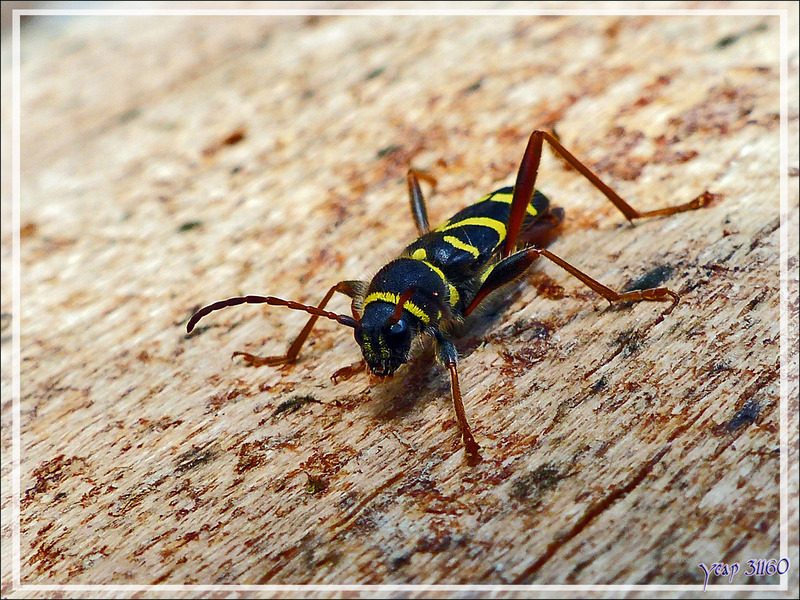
(447, 272)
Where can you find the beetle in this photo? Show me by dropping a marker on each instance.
(444, 275)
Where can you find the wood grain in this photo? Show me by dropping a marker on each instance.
(168, 162)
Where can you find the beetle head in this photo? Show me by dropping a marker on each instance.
(385, 337)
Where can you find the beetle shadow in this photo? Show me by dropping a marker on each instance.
(422, 378)
(485, 322)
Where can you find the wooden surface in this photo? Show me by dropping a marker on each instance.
(171, 161)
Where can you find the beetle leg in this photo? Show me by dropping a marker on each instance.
(512, 267)
(418, 210)
(526, 181)
(449, 356)
(544, 229)
(352, 289)
(347, 372)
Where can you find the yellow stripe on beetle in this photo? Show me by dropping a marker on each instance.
(485, 275)
(507, 198)
(457, 243)
(391, 298)
(453, 295)
(499, 227)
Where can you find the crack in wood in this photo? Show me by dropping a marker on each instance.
(590, 515)
(339, 527)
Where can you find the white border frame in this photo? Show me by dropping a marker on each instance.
(15, 359)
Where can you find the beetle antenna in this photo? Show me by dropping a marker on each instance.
(272, 300)
(398, 309)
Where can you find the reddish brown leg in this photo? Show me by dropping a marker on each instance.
(348, 288)
(347, 372)
(526, 181)
(418, 210)
(513, 266)
(544, 230)
(449, 356)
(649, 295)
(470, 445)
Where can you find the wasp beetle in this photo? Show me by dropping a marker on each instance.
(441, 278)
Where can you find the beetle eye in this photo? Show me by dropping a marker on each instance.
(398, 328)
